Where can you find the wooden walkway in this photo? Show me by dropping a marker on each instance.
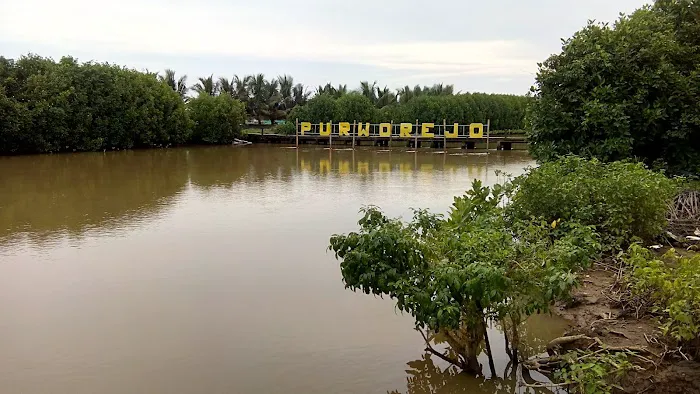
(500, 142)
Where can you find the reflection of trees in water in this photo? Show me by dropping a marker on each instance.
(67, 194)
(70, 193)
(425, 377)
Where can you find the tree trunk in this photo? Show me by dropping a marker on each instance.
(505, 338)
(465, 343)
(489, 353)
(514, 337)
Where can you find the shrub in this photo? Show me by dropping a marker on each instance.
(48, 106)
(624, 201)
(355, 107)
(321, 108)
(452, 274)
(672, 284)
(217, 119)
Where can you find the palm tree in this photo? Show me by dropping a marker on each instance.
(286, 84)
(328, 89)
(300, 94)
(273, 107)
(385, 97)
(226, 87)
(405, 94)
(264, 99)
(241, 90)
(368, 90)
(179, 85)
(333, 91)
(440, 90)
(341, 90)
(206, 85)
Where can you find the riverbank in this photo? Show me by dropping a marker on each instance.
(600, 318)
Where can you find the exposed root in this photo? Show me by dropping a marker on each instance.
(684, 213)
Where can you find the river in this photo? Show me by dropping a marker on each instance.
(205, 270)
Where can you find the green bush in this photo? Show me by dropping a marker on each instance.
(48, 106)
(355, 107)
(454, 273)
(287, 128)
(624, 201)
(593, 372)
(672, 284)
(217, 119)
(629, 90)
(321, 108)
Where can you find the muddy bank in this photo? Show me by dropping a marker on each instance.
(595, 313)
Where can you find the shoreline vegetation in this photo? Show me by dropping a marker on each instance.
(605, 231)
(573, 236)
(49, 106)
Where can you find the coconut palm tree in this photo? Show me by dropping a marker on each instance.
(273, 107)
(440, 90)
(369, 91)
(264, 99)
(178, 85)
(385, 97)
(406, 94)
(341, 90)
(300, 94)
(206, 85)
(286, 84)
(333, 91)
(226, 87)
(328, 89)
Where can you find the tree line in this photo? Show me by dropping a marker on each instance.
(49, 106)
(58, 106)
(506, 112)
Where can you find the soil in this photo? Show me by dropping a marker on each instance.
(594, 312)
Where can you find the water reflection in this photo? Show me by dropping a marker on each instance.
(54, 195)
(431, 375)
(205, 269)
(425, 377)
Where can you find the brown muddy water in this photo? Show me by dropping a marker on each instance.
(204, 270)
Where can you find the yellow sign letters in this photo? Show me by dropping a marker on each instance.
(387, 130)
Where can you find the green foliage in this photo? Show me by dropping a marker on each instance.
(593, 372)
(672, 284)
(217, 119)
(48, 106)
(624, 201)
(355, 107)
(451, 274)
(624, 91)
(506, 112)
(321, 108)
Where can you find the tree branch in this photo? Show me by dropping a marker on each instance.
(435, 352)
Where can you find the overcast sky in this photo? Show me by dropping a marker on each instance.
(487, 46)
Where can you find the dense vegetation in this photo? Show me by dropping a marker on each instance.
(506, 112)
(216, 119)
(630, 90)
(498, 255)
(49, 106)
(623, 200)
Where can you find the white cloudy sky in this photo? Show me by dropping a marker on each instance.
(484, 45)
